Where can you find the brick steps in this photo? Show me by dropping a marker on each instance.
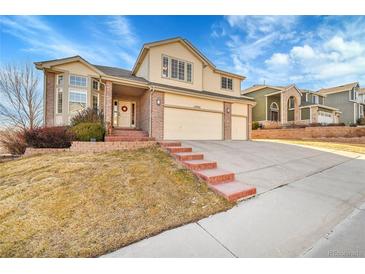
(215, 176)
(233, 191)
(200, 164)
(179, 149)
(220, 181)
(187, 156)
(169, 144)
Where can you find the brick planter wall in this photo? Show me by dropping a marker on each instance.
(85, 147)
(309, 133)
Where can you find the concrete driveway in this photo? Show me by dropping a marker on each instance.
(306, 203)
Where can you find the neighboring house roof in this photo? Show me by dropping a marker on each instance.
(341, 88)
(362, 91)
(188, 45)
(259, 87)
(321, 106)
(280, 89)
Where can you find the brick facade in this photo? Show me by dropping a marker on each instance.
(157, 115)
(309, 132)
(85, 147)
(49, 99)
(227, 119)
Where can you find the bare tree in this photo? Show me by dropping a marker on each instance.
(20, 100)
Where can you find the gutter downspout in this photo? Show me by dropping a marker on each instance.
(152, 90)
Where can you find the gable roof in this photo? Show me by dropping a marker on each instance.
(279, 88)
(341, 88)
(362, 91)
(188, 45)
(55, 62)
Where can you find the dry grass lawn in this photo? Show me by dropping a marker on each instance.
(357, 148)
(85, 205)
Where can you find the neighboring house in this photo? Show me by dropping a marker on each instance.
(347, 99)
(278, 104)
(172, 92)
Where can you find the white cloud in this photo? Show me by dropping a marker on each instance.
(256, 25)
(278, 59)
(279, 50)
(302, 53)
(114, 45)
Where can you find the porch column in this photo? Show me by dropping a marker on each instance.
(108, 104)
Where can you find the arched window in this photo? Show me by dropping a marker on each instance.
(274, 112)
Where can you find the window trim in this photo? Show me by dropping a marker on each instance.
(59, 90)
(92, 84)
(293, 108)
(228, 78)
(314, 97)
(361, 111)
(76, 91)
(57, 80)
(169, 69)
(98, 100)
(80, 87)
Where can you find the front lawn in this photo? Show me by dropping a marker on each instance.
(350, 147)
(85, 205)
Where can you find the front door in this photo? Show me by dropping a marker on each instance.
(125, 111)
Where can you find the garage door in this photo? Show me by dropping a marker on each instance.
(325, 117)
(184, 124)
(239, 128)
(239, 121)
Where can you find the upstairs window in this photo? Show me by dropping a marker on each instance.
(226, 83)
(60, 80)
(353, 95)
(315, 99)
(189, 70)
(174, 68)
(177, 69)
(291, 102)
(96, 85)
(78, 81)
(165, 66)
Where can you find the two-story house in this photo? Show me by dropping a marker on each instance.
(347, 99)
(289, 104)
(172, 92)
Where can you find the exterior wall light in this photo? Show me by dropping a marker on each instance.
(228, 110)
(158, 101)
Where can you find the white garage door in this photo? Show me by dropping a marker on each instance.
(239, 128)
(325, 117)
(183, 124)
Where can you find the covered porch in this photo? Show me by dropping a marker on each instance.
(126, 107)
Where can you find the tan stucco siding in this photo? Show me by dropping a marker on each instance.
(239, 109)
(143, 70)
(212, 82)
(178, 51)
(76, 68)
(193, 102)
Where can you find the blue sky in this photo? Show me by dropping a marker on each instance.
(311, 51)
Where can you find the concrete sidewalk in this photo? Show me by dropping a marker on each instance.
(305, 194)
